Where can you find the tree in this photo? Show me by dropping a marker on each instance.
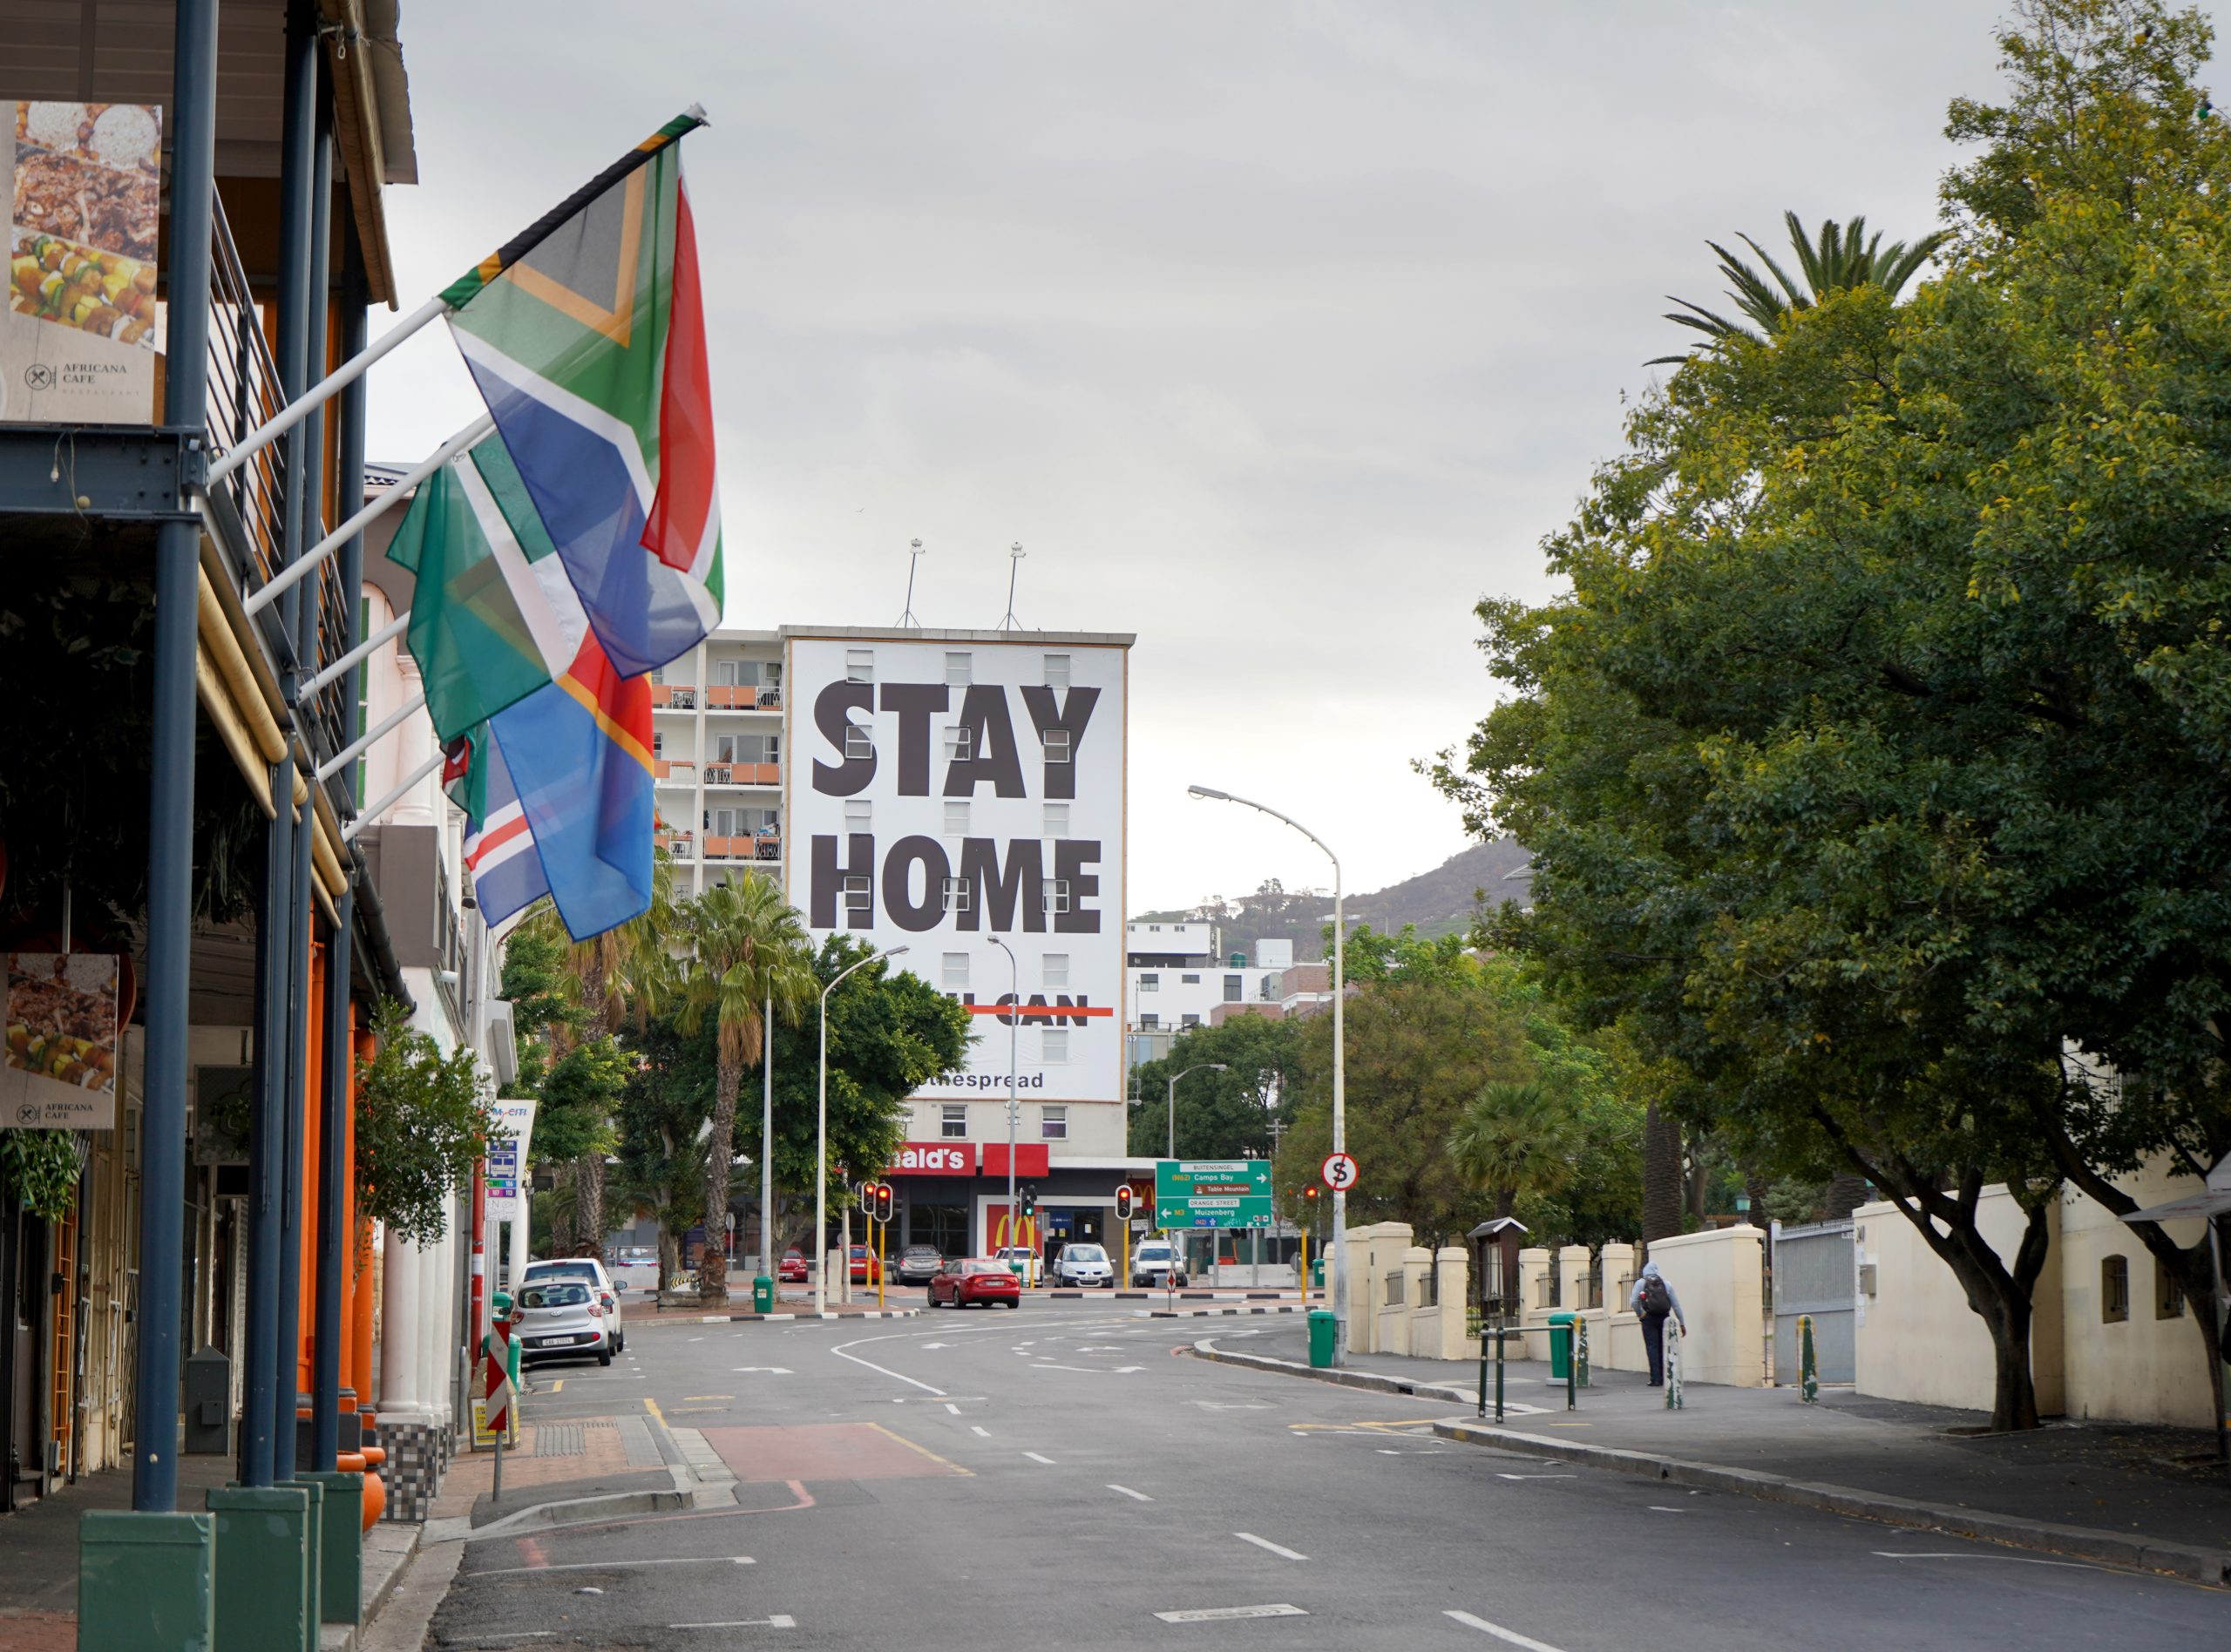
(421, 1127)
(1842, 258)
(1217, 1115)
(666, 1103)
(1514, 1139)
(743, 947)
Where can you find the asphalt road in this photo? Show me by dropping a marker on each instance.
(1061, 1476)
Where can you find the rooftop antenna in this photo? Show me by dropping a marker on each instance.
(913, 558)
(1015, 554)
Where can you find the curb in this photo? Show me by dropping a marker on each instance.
(807, 1313)
(2186, 1560)
(1216, 1313)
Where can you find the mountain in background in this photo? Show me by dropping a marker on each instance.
(1441, 902)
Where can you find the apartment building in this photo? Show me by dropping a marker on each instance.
(716, 737)
(1177, 978)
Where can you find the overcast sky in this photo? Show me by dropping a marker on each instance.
(1277, 333)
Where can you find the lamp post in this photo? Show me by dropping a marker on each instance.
(821, 1157)
(1339, 1067)
(1015, 1099)
(1198, 1067)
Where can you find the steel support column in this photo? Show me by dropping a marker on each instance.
(170, 835)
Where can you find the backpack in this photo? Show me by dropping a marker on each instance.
(1657, 1301)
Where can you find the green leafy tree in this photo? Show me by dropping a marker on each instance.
(1217, 1115)
(421, 1127)
(1841, 257)
(663, 1110)
(743, 947)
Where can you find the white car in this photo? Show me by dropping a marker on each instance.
(1085, 1265)
(1157, 1262)
(560, 1319)
(1025, 1261)
(591, 1273)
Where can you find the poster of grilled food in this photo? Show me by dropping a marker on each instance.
(82, 325)
(58, 1068)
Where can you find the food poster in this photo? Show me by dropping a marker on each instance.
(79, 337)
(59, 1070)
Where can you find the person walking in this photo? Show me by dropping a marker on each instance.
(1653, 1302)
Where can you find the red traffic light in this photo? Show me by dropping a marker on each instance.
(1125, 1198)
(1309, 1192)
(880, 1202)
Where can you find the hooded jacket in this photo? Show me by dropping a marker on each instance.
(1634, 1300)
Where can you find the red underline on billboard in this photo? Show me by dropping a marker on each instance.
(1040, 1011)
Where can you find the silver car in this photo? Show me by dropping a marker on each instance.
(1083, 1265)
(591, 1273)
(561, 1319)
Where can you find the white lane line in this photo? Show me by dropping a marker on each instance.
(979, 1431)
(771, 1371)
(1128, 1491)
(1660, 1508)
(1279, 1549)
(1501, 1633)
(1216, 1613)
(780, 1620)
(2018, 1559)
(610, 1565)
(884, 1370)
(954, 1409)
(1503, 1476)
(1035, 1458)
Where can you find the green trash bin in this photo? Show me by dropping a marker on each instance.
(1323, 1329)
(763, 1294)
(1317, 1274)
(1561, 1345)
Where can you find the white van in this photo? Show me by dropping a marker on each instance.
(1157, 1262)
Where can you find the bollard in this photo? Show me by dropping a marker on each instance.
(1499, 1342)
(1674, 1337)
(1572, 1400)
(1484, 1334)
(1580, 1350)
(1808, 1364)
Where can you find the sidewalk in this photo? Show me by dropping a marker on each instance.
(2134, 1483)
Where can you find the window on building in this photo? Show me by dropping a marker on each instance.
(956, 817)
(859, 815)
(959, 742)
(1057, 895)
(1154, 929)
(724, 672)
(956, 894)
(952, 1120)
(956, 668)
(1057, 671)
(1055, 966)
(2168, 1299)
(2114, 1289)
(1149, 981)
(856, 895)
(658, 744)
(1057, 820)
(944, 1227)
(1235, 987)
(859, 665)
(859, 742)
(658, 673)
(1057, 745)
(1149, 1022)
(1054, 1122)
(1189, 980)
(1054, 1045)
(955, 971)
(1190, 1020)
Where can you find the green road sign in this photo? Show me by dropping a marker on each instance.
(1212, 1193)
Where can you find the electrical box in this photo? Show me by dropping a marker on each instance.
(1867, 1278)
(209, 1403)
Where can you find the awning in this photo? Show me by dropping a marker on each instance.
(2214, 1200)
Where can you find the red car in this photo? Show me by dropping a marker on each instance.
(967, 1279)
(791, 1269)
(866, 1271)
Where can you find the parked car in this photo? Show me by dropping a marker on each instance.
(866, 1271)
(917, 1262)
(1033, 1270)
(590, 1272)
(967, 1279)
(1084, 1265)
(1157, 1262)
(560, 1318)
(791, 1269)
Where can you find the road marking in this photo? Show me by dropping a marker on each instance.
(925, 1450)
(1501, 1633)
(558, 1386)
(884, 1370)
(771, 1371)
(1955, 1554)
(694, 1397)
(1279, 1549)
(1217, 1614)
(1035, 1458)
(652, 1407)
(1660, 1508)
(780, 1620)
(610, 1565)
(978, 1429)
(1503, 1476)
(954, 1409)
(1128, 1491)
(937, 1345)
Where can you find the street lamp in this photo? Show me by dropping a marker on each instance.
(1339, 1067)
(1015, 1100)
(1199, 1066)
(821, 1156)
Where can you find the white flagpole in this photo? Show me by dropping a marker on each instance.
(386, 633)
(299, 568)
(379, 731)
(300, 407)
(349, 832)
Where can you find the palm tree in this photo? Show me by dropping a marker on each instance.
(1513, 1142)
(743, 946)
(1843, 257)
(622, 976)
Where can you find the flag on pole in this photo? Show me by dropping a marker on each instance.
(500, 850)
(579, 753)
(586, 337)
(493, 617)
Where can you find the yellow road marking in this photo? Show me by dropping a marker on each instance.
(925, 1450)
(558, 1386)
(691, 1396)
(652, 1407)
(1417, 1422)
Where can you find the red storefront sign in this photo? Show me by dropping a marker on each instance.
(1030, 1159)
(936, 1159)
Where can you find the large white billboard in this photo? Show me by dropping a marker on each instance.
(946, 788)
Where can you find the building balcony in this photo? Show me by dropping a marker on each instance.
(721, 696)
(745, 846)
(743, 774)
(678, 772)
(673, 696)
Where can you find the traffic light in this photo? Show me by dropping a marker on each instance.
(1028, 1198)
(879, 1206)
(1125, 1198)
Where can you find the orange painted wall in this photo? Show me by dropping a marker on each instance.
(313, 1087)
(365, 1282)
